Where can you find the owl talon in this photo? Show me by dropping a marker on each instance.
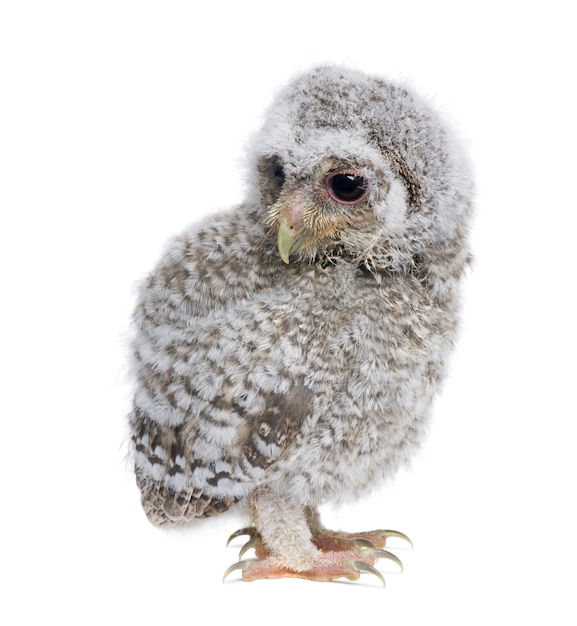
(247, 530)
(260, 549)
(361, 566)
(241, 565)
(393, 533)
(376, 554)
(247, 546)
(331, 540)
(378, 538)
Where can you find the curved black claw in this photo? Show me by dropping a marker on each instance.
(247, 530)
(360, 566)
(241, 565)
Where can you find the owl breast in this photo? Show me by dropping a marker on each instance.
(371, 362)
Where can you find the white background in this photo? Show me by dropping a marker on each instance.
(120, 123)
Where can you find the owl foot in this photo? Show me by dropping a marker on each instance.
(342, 556)
(328, 566)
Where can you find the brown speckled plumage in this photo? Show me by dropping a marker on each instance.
(294, 382)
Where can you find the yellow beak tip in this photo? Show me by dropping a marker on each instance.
(286, 239)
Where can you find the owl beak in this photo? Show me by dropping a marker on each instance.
(285, 240)
(291, 233)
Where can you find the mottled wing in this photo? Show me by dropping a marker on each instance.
(216, 399)
(275, 430)
(162, 472)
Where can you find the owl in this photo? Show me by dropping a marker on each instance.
(287, 351)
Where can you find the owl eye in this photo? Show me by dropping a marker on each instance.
(347, 187)
(278, 173)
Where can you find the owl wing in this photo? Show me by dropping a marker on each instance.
(177, 480)
(215, 403)
(162, 468)
(275, 430)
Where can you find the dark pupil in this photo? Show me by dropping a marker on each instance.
(347, 187)
(278, 173)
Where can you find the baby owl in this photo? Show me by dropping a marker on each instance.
(287, 351)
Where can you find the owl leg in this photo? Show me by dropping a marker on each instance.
(284, 542)
(283, 528)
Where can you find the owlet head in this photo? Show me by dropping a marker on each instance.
(353, 167)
